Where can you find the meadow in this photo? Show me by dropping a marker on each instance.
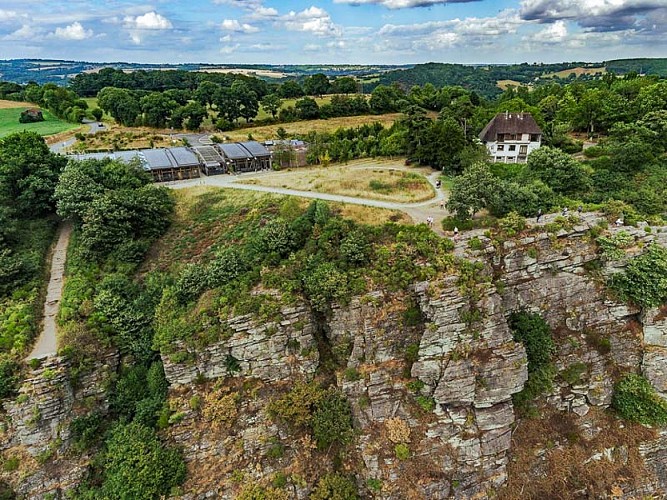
(9, 121)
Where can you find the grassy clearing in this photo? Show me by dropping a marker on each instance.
(9, 123)
(504, 84)
(374, 179)
(291, 102)
(202, 212)
(303, 127)
(118, 137)
(92, 104)
(15, 104)
(577, 71)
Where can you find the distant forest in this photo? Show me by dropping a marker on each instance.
(482, 79)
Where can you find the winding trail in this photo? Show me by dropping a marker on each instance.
(417, 211)
(47, 342)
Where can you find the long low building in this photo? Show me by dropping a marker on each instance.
(177, 163)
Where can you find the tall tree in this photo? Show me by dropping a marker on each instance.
(271, 104)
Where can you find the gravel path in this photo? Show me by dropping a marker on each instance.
(417, 211)
(46, 344)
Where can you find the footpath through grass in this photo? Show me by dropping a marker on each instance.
(384, 180)
(9, 123)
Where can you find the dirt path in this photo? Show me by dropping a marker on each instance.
(419, 211)
(46, 343)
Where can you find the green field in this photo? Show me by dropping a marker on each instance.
(9, 123)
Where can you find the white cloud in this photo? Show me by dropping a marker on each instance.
(468, 32)
(226, 38)
(312, 47)
(261, 13)
(263, 47)
(402, 4)
(553, 33)
(74, 31)
(311, 20)
(149, 21)
(8, 15)
(146, 23)
(229, 49)
(237, 27)
(25, 32)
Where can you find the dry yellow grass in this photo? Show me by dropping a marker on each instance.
(303, 127)
(504, 84)
(387, 180)
(15, 104)
(578, 71)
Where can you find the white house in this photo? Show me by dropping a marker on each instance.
(511, 137)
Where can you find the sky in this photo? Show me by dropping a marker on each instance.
(333, 31)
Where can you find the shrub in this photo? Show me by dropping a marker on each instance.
(8, 377)
(220, 408)
(402, 451)
(426, 403)
(635, 400)
(335, 486)
(296, 407)
(324, 285)
(86, 430)
(644, 280)
(475, 243)
(613, 246)
(535, 334)
(137, 466)
(332, 420)
(191, 283)
(572, 374)
(398, 430)
(512, 224)
(355, 248)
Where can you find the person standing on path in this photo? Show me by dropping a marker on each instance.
(539, 215)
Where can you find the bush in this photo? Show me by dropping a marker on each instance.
(335, 486)
(535, 334)
(8, 377)
(635, 400)
(296, 407)
(86, 431)
(138, 466)
(332, 420)
(644, 280)
(324, 285)
(402, 451)
(512, 224)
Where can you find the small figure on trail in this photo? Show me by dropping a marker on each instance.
(566, 211)
(429, 221)
(438, 183)
(580, 209)
(442, 204)
(456, 232)
(619, 222)
(539, 215)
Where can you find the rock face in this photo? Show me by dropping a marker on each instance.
(38, 429)
(429, 375)
(269, 351)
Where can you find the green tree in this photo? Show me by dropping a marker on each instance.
(28, 174)
(558, 170)
(271, 104)
(157, 109)
(344, 85)
(247, 100)
(138, 466)
(121, 104)
(195, 114)
(474, 189)
(290, 90)
(316, 85)
(307, 108)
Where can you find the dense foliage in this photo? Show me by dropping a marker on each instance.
(28, 176)
(644, 280)
(636, 400)
(535, 335)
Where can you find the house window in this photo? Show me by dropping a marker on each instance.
(499, 159)
(521, 159)
(501, 147)
(523, 150)
(511, 159)
(512, 148)
(534, 137)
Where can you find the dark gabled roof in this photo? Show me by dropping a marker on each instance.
(509, 123)
(210, 155)
(184, 157)
(256, 149)
(234, 151)
(158, 159)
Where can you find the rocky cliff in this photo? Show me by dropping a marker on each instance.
(431, 372)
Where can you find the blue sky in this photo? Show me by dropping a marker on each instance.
(333, 31)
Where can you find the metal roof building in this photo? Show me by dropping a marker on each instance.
(211, 160)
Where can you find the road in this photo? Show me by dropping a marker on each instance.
(46, 344)
(419, 211)
(93, 128)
